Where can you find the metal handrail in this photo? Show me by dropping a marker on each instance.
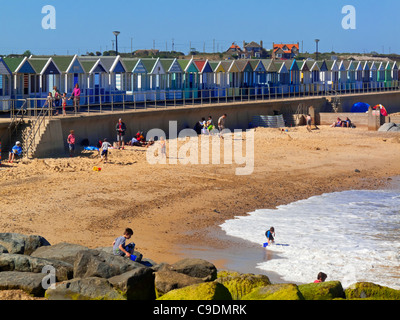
(35, 129)
(166, 98)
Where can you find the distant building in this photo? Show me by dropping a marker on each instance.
(234, 48)
(252, 50)
(285, 50)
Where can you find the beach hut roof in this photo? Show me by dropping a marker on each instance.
(130, 63)
(44, 65)
(19, 65)
(4, 69)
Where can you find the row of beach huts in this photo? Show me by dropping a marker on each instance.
(106, 78)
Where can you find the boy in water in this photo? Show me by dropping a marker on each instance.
(119, 247)
(270, 234)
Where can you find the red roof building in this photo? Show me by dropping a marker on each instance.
(285, 50)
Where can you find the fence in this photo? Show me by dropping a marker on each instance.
(110, 102)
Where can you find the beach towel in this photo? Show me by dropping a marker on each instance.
(91, 148)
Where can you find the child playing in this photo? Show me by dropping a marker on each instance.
(64, 103)
(321, 277)
(270, 234)
(119, 247)
(104, 150)
(71, 143)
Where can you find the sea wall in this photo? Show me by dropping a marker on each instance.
(94, 126)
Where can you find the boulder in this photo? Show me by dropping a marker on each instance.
(3, 249)
(197, 268)
(23, 263)
(109, 250)
(97, 263)
(29, 282)
(61, 251)
(136, 284)
(241, 284)
(203, 291)
(93, 288)
(368, 290)
(166, 280)
(322, 291)
(21, 244)
(283, 291)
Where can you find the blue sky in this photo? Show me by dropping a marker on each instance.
(213, 24)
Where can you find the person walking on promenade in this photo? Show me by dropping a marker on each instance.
(76, 94)
(121, 128)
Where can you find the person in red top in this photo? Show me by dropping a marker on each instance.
(71, 143)
(321, 277)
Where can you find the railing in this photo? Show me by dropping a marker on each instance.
(168, 98)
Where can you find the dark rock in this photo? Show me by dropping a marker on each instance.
(197, 268)
(84, 289)
(166, 280)
(61, 251)
(136, 284)
(29, 282)
(97, 263)
(23, 263)
(21, 244)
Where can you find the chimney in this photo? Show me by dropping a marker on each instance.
(261, 44)
(244, 43)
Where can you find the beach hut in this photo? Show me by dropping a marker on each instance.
(174, 78)
(156, 79)
(48, 72)
(137, 83)
(294, 75)
(96, 79)
(381, 69)
(190, 77)
(388, 74)
(72, 72)
(206, 76)
(395, 72)
(25, 81)
(5, 86)
(272, 80)
(233, 73)
(331, 75)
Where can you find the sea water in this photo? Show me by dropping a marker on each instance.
(351, 236)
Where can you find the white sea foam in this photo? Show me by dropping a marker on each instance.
(352, 236)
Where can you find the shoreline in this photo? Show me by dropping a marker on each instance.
(176, 210)
(239, 253)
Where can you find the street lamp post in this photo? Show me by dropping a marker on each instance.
(116, 33)
(316, 53)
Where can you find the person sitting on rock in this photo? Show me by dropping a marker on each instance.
(119, 247)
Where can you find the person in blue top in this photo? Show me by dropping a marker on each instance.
(270, 234)
(16, 150)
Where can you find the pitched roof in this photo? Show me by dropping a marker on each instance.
(286, 47)
(252, 45)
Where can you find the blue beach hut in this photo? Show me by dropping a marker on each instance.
(5, 85)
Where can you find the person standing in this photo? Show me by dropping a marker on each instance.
(71, 143)
(57, 97)
(76, 94)
(121, 128)
(221, 124)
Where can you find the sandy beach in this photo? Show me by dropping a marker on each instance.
(175, 209)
